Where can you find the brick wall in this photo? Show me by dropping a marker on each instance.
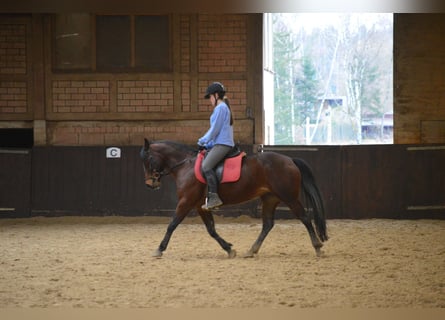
(128, 107)
(88, 108)
(13, 97)
(133, 133)
(185, 34)
(13, 57)
(186, 103)
(222, 43)
(145, 96)
(79, 96)
(12, 48)
(419, 88)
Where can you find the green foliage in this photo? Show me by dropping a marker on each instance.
(284, 51)
(341, 61)
(306, 91)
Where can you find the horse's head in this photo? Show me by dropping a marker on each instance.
(152, 167)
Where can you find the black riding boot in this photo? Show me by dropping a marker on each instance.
(213, 199)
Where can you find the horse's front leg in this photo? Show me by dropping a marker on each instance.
(209, 222)
(171, 227)
(182, 209)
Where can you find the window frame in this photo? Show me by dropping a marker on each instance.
(132, 68)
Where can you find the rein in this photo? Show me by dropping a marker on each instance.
(167, 172)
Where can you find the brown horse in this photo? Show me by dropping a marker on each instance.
(270, 176)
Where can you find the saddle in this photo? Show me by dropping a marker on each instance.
(228, 170)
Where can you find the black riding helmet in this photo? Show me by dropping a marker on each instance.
(214, 88)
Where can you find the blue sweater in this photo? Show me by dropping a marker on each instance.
(220, 131)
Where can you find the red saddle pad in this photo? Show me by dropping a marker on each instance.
(231, 171)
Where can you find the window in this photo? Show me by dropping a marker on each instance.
(72, 42)
(111, 43)
(151, 43)
(332, 78)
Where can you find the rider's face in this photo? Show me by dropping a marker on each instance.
(213, 99)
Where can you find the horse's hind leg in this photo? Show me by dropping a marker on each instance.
(270, 203)
(306, 219)
(209, 222)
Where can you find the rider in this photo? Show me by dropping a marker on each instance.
(218, 140)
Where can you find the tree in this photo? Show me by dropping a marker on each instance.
(284, 61)
(306, 90)
(350, 58)
(364, 74)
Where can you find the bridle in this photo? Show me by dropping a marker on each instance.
(170, 170)
(158, 173)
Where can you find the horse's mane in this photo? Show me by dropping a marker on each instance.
(177, 145)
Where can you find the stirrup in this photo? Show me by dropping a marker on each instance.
(212, 202)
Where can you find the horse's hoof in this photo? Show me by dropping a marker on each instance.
(320, 253)
(157, 254)
(248, 254)
(232, 254)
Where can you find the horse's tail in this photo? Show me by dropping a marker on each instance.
(313, 198)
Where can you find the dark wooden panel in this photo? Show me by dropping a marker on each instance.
(387, 181)
(81, 180)
(377, 181)
(15, 182)
(325, 162)
(373, 181)
(424, 182)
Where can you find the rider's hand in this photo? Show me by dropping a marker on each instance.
(201, 146)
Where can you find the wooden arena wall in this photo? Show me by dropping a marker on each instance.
(72, 116)
(357, 182)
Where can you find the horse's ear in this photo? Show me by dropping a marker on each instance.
(146, 144)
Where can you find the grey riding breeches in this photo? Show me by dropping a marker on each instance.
(214, 156)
